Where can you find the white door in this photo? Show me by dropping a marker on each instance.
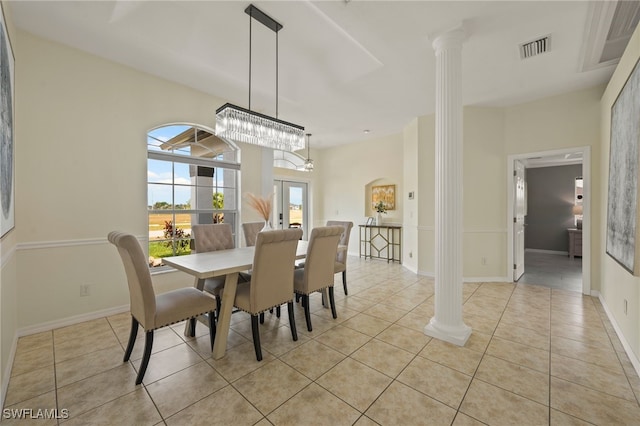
(291, 206)
(519, 213)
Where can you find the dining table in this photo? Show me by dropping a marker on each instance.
(228, 263)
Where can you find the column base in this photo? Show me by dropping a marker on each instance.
(456, 335)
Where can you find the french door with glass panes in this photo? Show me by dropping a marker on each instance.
(291, 206)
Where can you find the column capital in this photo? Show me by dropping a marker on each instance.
(453, 38)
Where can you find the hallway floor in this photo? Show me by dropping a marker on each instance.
(537, 356)
(552, 270)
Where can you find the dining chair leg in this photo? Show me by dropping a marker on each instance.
(132, 339)
(192, 327)
(278, 311)
(212, 328)
(332, 302)
(292, 322)
(344, 282)
(262, 318)
(218, 306)
(148, 344)
(256, 337)
(307, 311)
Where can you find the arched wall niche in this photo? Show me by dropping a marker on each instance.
(393, 215)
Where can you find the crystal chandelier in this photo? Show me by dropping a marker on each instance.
(243, 125)
(308, 163)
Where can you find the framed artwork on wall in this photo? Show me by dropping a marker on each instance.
(384, 193)
(622, 203)
(7, 181)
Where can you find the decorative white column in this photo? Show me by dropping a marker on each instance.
(447, 323)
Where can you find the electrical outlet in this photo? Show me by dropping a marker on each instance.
(625, 306)
(483, 261)
(85, 290)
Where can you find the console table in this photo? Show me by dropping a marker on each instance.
(381, 242)
(575, 242)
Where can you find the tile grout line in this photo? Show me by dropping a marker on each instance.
(481, 358)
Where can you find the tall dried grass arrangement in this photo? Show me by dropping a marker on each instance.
(260, 204)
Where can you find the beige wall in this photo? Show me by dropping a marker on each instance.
(345, 171)
(564, 121)
(490, 136)
(484, 202)
(427, 194)
(617, 285)
(485, 193)
(81, 164)
(8, 269)
(411, 184)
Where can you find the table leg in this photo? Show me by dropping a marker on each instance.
(199, 284)
(224, 317)
(325, 298)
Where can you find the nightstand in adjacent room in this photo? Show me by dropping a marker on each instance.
(575, 242)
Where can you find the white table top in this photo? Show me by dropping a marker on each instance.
(221, 262)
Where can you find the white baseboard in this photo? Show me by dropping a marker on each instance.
(47, 326)
(627, 348)
(410, 269)
(430, 274)
(560, 253)
(486, 279)
(7, 370)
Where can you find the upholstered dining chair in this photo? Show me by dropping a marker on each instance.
(341, 257)
(251, 230)
(155, 311)
(271, 282)
(212, 237)
(317, 273)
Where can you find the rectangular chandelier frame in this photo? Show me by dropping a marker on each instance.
(242, 125)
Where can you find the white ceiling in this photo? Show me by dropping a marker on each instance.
(344, 66)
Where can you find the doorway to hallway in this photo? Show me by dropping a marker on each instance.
(553, 268)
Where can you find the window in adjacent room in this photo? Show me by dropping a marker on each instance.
(192, 178)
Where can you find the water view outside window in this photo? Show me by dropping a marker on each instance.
(191, 179)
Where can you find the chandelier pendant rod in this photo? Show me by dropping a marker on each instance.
(276, 74)
(244, 125)
(273, 25)
(250, 40)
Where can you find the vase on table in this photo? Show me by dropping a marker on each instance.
(379, 219)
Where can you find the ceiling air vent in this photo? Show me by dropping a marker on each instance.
(535, 47)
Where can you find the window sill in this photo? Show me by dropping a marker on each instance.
(162, 270)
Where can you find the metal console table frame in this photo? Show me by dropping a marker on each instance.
(378, 240)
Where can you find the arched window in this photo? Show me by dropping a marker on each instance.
(192, 178)
(288, 160)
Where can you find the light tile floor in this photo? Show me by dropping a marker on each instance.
(537, 356)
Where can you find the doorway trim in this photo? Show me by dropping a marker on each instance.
(309, 182)
(586, 221)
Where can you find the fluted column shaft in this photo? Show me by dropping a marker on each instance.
(447, 323)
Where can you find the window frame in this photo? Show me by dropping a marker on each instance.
(189, 160)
